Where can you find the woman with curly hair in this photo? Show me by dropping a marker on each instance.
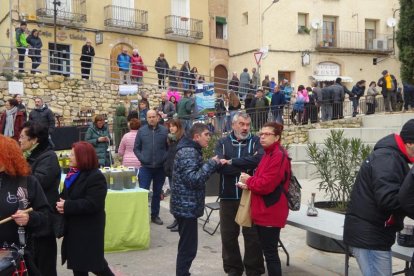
(18, 192)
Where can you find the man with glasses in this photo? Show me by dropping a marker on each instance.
(243, 152)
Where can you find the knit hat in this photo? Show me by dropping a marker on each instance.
(407, 132)
(384, 72)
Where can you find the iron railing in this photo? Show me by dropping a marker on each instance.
(126, 18)
(353, 40)
(184, 27)
(70, 12)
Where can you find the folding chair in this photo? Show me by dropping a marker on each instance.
(213, 206)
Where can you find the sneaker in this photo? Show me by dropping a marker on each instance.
(157, 220)
(174, 229)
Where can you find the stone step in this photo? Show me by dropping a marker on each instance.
(387, 120)
(303, 170)
(367, 135)
(298, 152)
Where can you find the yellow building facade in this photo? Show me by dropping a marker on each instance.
(178, 28)
(314, 40)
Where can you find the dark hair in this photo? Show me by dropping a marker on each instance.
(36, 130)
(145, 101)
(372, 82)
(301, 87)
(134, 124)
(23, 23)
(309, 88)
(361, 82)
(180, 129)
(277, 128)
(85, 155)
(33, 31)
(197, 128)
(133, 114)
(245, 70)
(338, 80)
(187, 92)
(172, 97)
(13, 102)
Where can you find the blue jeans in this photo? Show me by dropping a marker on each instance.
(373, 262)
(157, 176)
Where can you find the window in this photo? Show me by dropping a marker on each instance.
(303, 23)
(370, 33)
(329, 31)
(183, 53)
(245, 19)
(221, 28)
(123, 13)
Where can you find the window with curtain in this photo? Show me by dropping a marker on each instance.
(302, 21)
(221, 27)
(370, 33)
(329, 31)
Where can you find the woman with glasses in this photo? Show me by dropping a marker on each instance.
(98, 135)
(269, 204)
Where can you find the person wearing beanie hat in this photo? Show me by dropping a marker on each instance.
(389, 85)
(374, 213)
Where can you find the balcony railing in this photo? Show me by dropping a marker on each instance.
(70, 12)
(183, 28)
(353, 41)
(126, 19)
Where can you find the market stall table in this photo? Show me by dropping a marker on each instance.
(127, 220)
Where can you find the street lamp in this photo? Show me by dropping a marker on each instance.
(262, 20)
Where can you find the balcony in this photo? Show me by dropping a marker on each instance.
(354, 42)
(183, 28)
(125, 20)
(69, 12)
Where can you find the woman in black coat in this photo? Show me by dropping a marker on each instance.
(35, 52)
(88, 52)
(82, 204)
(42, 159)
(18, 192)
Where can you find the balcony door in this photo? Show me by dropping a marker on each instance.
(180, 9)
(329, 31)
(370, 33)
(123, 13)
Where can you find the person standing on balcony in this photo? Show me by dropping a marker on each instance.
(124, 65)
(162, 68)
(234, 83)
(138, 67)
(35, 50)
(244, 84)
(389, 85)
(21, 44)
(185, 75)
(88, 52)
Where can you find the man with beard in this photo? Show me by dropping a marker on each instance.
(243, 152)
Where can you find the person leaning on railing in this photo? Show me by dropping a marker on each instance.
(21, 44)
(35, 50)
(88, 52)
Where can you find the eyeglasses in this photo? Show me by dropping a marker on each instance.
(265, 134)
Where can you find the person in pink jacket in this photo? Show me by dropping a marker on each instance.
(126, 147)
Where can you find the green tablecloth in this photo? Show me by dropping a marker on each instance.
(127, 220)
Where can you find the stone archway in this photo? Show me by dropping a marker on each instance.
(220, 79)
(116, 50)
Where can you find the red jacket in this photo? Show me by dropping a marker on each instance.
(18, 124)
(269, 174)
(137, 66)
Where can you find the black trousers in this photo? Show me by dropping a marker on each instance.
(232, 261)
(85, 70)
(370, 108)
(45, 254)
(187, 245)
(21, 52)
(105, 272)
(269, 238)
(161, 81)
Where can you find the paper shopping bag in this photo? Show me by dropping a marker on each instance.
(243, 217)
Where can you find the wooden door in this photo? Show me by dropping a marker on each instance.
(116, 50)
(220, 79)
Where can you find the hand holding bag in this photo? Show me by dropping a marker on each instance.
(243, 217)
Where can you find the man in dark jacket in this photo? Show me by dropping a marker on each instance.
(338, 96)
(277, 104)
(42, 114)
(151, 150)
(374, 213)
(326, 104)
(166, 108)
(243, 152)
(389, 85)
(187, 194)
(162, 67)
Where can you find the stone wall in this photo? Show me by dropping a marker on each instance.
(299, 134)
(66, 96)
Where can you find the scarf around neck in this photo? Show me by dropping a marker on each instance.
(9, 125)
(71, 177)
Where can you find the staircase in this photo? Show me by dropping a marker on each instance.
(374, 128)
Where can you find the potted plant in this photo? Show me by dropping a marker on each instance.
(212, 184)
(337, 164)
(303, 30)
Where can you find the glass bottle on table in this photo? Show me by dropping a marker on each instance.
(312, 211)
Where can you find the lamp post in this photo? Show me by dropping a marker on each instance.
(393, 32)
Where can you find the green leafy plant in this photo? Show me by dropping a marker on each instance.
(8, 75)
(208, 151)
(303, 30)
(337, 165)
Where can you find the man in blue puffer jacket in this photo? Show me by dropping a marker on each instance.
(187, 194)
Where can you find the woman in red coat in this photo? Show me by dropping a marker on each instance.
(138, 67)
(12, 120)
(269, 205)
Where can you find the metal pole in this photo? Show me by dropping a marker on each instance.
(54, 61)
(393, 32)
(11, 24)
